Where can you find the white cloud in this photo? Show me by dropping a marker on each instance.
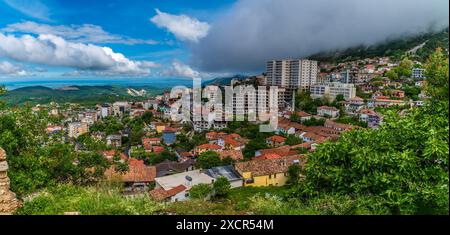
(86, 33)
(31, 8)
(52, 50)
(179, 69)
(183, 27)
(7, 68)
(251, 32)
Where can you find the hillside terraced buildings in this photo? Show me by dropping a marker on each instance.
(289, 73)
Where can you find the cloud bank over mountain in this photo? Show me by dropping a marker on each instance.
(254, 31)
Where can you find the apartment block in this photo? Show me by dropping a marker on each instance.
(332, 89)
(298, 74)
(76, 129)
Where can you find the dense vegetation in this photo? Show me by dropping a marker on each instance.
(401, 168)
(81, 94)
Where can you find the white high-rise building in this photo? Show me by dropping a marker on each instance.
(298, 74)
(332, 89)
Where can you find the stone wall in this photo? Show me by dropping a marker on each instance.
(8, 200)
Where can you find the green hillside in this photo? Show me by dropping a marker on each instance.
(395, 48)
(76, 94)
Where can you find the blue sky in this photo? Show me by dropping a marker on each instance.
(163, 39)
(138, 38)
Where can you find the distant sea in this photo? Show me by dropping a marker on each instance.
(15, 83)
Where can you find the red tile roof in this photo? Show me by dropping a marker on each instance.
(328, 108)
(266, 166)
(233, 154)
(158, 149)
(160, 194)
(209, 146)
(276, 139)
(110, 154)
(137, 172)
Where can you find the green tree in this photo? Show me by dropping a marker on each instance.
(200, 191)
(208, 159)
(294, 172)
(293, 140)
(402, 167)
(221, 187)
(391, 74)
(252, 146)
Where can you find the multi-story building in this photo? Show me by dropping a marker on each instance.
(76, 129)
(332, 89)
(298, 74)
(243, 105)
(105, 110)
(89, 117)
(121, 107)
(418, 73)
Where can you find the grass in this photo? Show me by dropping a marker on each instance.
(101, 200)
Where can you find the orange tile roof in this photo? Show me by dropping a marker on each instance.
(110, 154)
(209, 146)
(266, 166)
(160, 194)
(233, 154)
(328, 108)
(137, 172)
(158, 149)
(276, 138)
(267, 156)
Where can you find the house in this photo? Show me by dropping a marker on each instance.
(137, 178)
(236, 155)
(53, 128)
(228, 172)
(109, 155)
(207, 147)
(151, 141)
(354, 104)
(275, 141)
(173, 188)
(282, 151)
(157, 149)
(183, 155)
(398, 93)
(285, 127)
(338, 127)
(114, 141)
(303, 116)
(231, 142)
(168, 167)
(419, 83)
(311, 137)
(372, 118)
(266, 172)
(384, 102)
(213, 136)
(158, 126)
(327, 111)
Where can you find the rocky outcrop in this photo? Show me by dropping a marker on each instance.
(8, 200)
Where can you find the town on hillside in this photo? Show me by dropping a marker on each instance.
(318, 101)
